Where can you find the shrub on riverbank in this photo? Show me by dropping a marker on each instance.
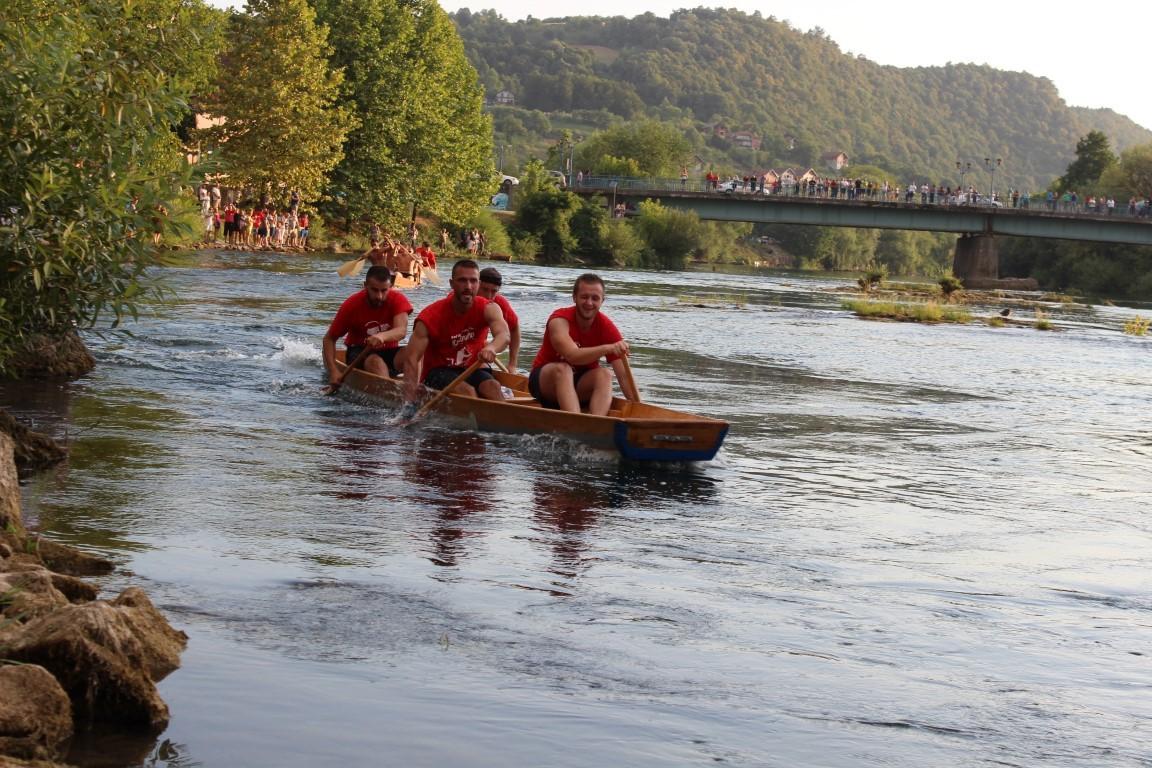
(1137, 326)
(919, 313)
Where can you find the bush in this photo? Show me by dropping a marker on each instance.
(494, 231)
(526, 247)
(89, 103)
(950, 285)
(1137, 326)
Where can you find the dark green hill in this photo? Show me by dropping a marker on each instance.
(797, 91)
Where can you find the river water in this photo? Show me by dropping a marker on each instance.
(920, 545)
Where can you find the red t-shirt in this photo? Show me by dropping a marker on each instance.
(603, 331)
(427, 256)
(453, 340)
(509, 313)
(359, 319)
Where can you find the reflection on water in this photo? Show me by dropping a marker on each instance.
(919, 545)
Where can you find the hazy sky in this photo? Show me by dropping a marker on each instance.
(1095, 55)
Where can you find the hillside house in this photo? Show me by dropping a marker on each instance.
(768, 178)
(720, 131)
(505, 97)
(834, 161)
(746, 139)
(808, 175)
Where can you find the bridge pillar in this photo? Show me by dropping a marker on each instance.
(976, 260)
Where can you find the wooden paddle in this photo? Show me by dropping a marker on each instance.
(432, 275)
(349, 268)
(334, 387)
(628, 378)
(436, 398)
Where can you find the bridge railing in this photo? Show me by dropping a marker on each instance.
(835, 193)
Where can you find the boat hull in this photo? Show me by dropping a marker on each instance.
(636, 431)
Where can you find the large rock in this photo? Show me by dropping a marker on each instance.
(64, 559)
(35, 713)
(32, 450)
(51, 356)
(107, 656)
(10, 518)
(26, 594)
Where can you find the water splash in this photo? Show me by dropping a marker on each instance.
(297, 351)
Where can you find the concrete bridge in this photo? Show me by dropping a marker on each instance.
(976, 260)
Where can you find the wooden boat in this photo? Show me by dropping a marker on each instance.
(403, 282)
(636, 431)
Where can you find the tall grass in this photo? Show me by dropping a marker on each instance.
(930, 312)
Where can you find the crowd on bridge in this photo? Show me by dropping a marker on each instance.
(848, 189)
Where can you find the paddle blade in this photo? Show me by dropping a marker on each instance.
(433, 276)
(349, 268)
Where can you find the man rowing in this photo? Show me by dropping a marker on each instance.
(375, 318)
(490, 282)
(566, 373)
(452, 333)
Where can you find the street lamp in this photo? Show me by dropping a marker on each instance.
(991, 167)
(963, 168)
(613, 185)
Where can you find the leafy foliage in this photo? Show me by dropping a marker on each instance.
(423, 139)
(670, 236)
(547, 214)
(655, 149)
(1093, 157)
(92, 90)
(283, 125)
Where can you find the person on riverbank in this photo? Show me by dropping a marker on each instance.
(490, 282)
(449, 335)
(375, 317)
(566, 373)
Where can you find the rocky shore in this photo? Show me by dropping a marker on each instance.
(69, 662)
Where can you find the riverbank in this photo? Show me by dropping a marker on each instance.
(70, 663)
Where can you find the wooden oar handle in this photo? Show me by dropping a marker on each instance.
(436, 398)
(629, 380)
(335, 386)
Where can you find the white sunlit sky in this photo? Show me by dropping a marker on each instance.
(1097, 56)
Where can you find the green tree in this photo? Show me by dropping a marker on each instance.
(1093, 156)
(423, 139)
(92, 92)
(657, 149)
(670, 236)
(1132, 175)
(601, 239)
(546, 214)
(283, 127)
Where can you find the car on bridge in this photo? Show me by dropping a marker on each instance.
(962, 199)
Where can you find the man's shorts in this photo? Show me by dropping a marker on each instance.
(438, 378)
(389, 355)
(534, 385)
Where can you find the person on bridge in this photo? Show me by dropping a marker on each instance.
(566, 373)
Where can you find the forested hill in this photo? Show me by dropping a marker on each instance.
(797, 90)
